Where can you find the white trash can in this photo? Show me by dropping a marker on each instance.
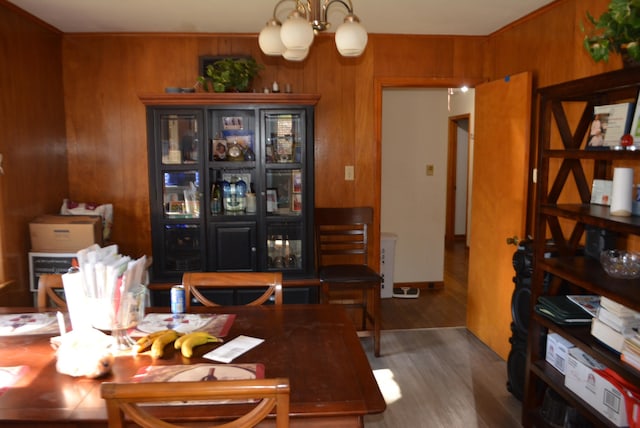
(387, 257)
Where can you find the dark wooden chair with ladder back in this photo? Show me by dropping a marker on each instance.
(264, 286)
(342, 238)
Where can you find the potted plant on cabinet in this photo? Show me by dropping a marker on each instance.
(231, 74)
(616, 30)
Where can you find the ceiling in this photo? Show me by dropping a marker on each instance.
(452, 17)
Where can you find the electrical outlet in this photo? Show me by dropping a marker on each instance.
(429, 169)
(349, 174)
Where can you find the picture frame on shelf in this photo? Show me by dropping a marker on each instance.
(175, 207)
(601, 192)
(296, 179)
(296, 203)
(232, 123)
(635, 124)
(610, 122)
(272, 200)
(219, 149)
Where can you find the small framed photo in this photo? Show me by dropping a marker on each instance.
(232, 122)
(296, 178)
(219, 149)
(296, 203)
(272, 200)
(175, 207)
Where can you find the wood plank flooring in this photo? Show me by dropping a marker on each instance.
(446, 307)
(433, 372)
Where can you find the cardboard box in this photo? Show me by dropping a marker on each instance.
(557, 351)
(65, 233)
(581, 378)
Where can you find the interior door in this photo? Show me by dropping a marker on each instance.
(499, 197)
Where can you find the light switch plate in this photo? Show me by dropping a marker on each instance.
(349, 174)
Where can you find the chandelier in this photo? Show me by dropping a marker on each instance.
(293, 39)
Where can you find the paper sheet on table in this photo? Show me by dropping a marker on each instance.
(233, 349)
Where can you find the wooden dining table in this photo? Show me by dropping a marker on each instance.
(315, 346)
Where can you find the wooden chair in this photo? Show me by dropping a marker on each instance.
(123, 399)
(342, 237)
(48, 283)
(195, 282)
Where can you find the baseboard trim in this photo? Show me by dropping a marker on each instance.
(422, 285)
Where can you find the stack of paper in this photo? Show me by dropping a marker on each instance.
(614, 324)
(97, 290)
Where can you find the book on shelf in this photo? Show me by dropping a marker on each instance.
(561, 310)
(631, 351)
(588, 302)
(608, 336)
(617, 308)
(626, 324)
(610, 122)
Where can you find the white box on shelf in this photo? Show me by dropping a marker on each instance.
(582, 378)
(558, 351)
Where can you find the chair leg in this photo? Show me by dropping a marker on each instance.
(377, 321)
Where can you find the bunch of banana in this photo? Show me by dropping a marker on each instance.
(189, 341)
(157, 341)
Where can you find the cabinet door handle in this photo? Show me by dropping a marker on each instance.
(513, 240)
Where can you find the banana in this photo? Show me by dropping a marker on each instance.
(157, 348)
(146, 341)
(179, 341)
(194, 340)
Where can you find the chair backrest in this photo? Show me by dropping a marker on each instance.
(48, 283)
(124, 399)
(195, 282)
(342, 235)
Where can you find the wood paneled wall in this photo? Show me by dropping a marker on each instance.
(106, 123)
(102, 76)
(32, 141)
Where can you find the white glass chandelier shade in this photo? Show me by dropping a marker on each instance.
(296, 32)
(295, 54)
(351, 37)
(269, 39)
(294, 37)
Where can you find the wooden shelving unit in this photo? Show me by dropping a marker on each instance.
(563, 214)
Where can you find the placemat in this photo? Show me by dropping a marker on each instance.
(200, 372)
(32, 323)
(215, 324)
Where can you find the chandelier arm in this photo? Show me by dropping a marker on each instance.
(319, 17)
(275, 8)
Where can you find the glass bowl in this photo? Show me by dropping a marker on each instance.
(621, 264)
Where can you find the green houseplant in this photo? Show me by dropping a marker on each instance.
(616, 30)
(231, 74)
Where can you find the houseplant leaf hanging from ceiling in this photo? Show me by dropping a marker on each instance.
(616, 30)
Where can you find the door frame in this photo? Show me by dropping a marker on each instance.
(381, 83)
(452, 172)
